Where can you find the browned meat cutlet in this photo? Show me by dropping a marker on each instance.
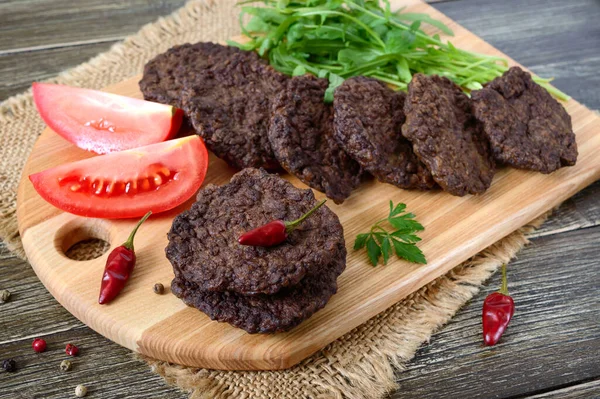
(230, 108)
(368, 120)
(526, 126)
(266, 313)
(204, 250)
(167, 73)
(446, 136)
(301, 135)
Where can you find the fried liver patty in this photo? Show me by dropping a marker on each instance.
(167, 73)
(203, 247)
(229, 106)
(446, 136)
(368, 120)
(301, 136)
(266, 313)
(526, 126)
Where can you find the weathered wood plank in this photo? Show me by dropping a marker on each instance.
(553, 340)
(581, 391)
(575, 70)
(580, 211)
(107, 369)
(554, 38)
(42, 24)
(17, 71)
(29, 301)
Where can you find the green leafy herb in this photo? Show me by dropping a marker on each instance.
(381, 243)
(338, 39)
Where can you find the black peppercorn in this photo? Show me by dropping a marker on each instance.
(9, 365)
(159, 288)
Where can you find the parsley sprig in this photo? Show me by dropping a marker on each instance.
(379, 242)
(337, 39)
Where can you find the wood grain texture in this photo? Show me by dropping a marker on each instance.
(109, 370)
(548, 36)
(28, 67)
(553, 340)
(43, 24)
(456, 229)
(585, 390)
(40, 38)
(578, 212)
(20, 278)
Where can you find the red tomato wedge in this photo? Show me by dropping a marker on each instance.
(129, 183)
(104, 122)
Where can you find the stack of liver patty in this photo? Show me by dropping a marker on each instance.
(258, 289)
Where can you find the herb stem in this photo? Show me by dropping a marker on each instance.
(343, 38)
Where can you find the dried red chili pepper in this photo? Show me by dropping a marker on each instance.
(498, 309)
(119, 265)
(274, 232)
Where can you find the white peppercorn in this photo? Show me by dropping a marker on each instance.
(4, 296)
(80, 391)
(65, 365)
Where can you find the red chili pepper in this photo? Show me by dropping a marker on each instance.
(498, 309)
(274, 232)
(119, 265)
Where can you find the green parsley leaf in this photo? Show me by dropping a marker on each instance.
(380, 242)
(385, 250)
(404, 223)
(373, 251)
(395, 210)
(361, 241)
(410, 252)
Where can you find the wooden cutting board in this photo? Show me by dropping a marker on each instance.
(161, 326)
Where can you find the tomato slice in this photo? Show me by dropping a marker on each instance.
(104, 122)
(127, 184)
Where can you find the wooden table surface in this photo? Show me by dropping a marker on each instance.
(552, 348)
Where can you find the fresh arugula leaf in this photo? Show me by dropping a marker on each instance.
(334, 82)
(316, 31)
(352, 57)
(265, 46)
(426, 19)
(299, 71)
(403, 70)
(266, 14)
(257, 24)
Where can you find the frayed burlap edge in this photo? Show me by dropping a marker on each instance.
(360, 364)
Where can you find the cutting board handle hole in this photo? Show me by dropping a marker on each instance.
(83, 240)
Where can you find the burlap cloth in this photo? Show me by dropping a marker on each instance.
(360, 364)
